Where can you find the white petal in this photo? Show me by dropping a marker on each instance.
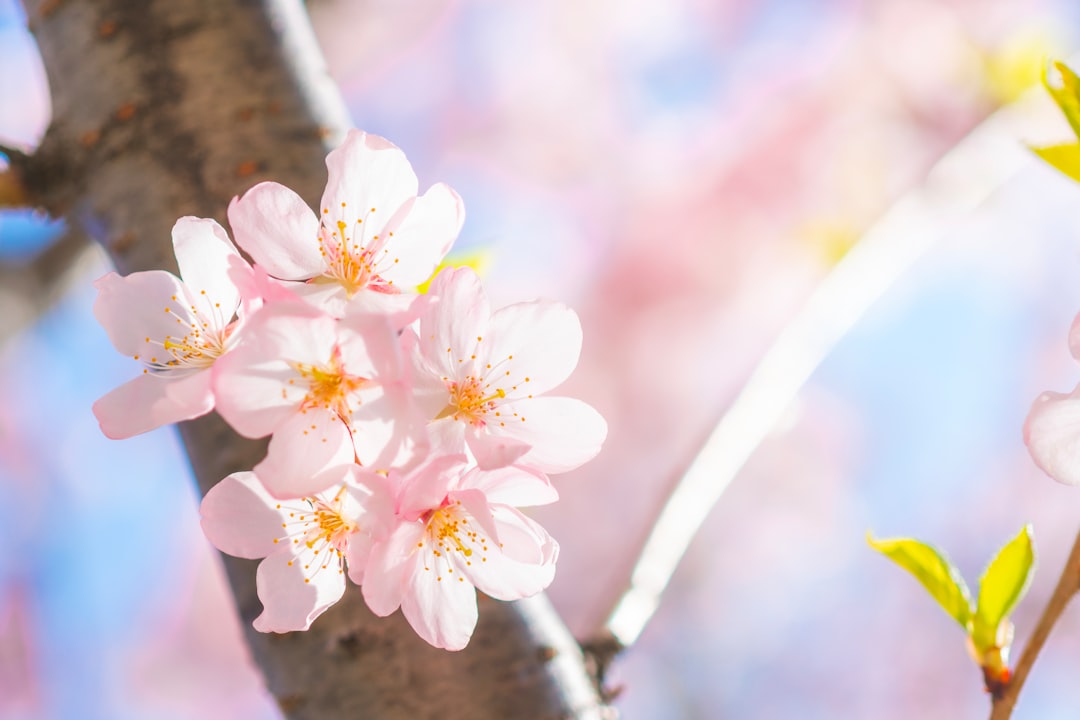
(440, 605)
(293, 597)
(278, 230)
(423, 237)
(369, 179)
(524, 564)
(241, 519)
(492, 450)
(534, 347)
(516, 486)
(1052, 434)
(205, 255)
(305, 455)
(389, 565)
(256, 388)
(563, 432)
(451, 331)
(150, 401)
(132, 309)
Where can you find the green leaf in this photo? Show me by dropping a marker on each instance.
(1065, 158)
(1067, 96)
(933, 570)
(1002, 586)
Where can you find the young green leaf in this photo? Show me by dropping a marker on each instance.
(1065, 158)
(1067, 96)
(933, 570)
(1002, 586)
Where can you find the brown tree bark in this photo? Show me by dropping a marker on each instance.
(164, 108)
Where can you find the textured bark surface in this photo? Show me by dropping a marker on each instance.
(164, 108)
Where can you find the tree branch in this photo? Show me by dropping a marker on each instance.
(167, 108)
(1068, 585)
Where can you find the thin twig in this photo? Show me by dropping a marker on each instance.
(1068, 585)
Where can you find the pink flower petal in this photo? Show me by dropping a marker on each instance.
(132, 310)
(494, 451)
(516, 486)
(1052, 434)
(534, 346)
(292, 598)
(524, 566)
(369, 179)
(1074, 337)
(563, 432)
(278, 230)
(388, 431)
(425, 235)
(305, 455)
(427, 486)
(390, 564)
(204, 254)
(150, 401)
(451, 332)
(252, 382)
(240, 518)
(440, 605)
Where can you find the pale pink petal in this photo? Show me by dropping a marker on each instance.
(525, 564)
(240, 518)
(447, 436)
(534, 346)
(252, 382)
(357, 556)
(494, 451)
(1052, 434)
(388, 430)
(563, 432)
(369, 178)
(440, 605)
(423, 238)
(150, 401)
(427, 486)
(305, 455)
(327, 295)
(132, 309)
(400, 309)
(292, 598)
(370, 347)
(1074, 337)
(278, 230)
(369, 502)
(204, 254)
(452, 330)
(516, 486)
(389, 566)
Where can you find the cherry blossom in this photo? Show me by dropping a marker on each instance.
(374, 242)
(307, 543)
(479, 378)
(330, 391)
(1052, 428)
(459, 529)
(176, 328)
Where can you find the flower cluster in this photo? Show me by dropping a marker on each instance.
(405, 428)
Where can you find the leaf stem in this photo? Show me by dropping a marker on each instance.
(1067, 586)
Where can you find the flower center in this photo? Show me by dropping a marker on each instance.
(329, 386)
(352, 264)
(320, 524)
(470, 400)
(205, 339)
(449, 533)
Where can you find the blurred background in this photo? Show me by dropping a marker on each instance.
(684, 173)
